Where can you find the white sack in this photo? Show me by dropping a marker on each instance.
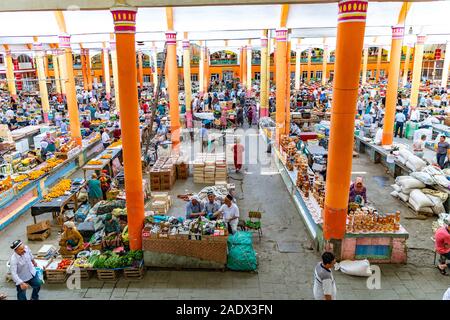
(403, 196)
(359, 268)
(394, 194)
(396, 187)
(424, 177)
(411, 183)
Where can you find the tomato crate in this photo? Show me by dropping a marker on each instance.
(56, 276)
(134, 273)
(108, 274)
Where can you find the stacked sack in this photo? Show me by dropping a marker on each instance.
(413, 162)
(412, 189)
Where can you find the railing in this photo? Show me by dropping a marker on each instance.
(223, 62)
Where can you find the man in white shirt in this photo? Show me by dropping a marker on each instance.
(399, 122)
(23, 272)
(324, 284)
(230, 214)
(106, 139)
(9, 114)
(415, 115)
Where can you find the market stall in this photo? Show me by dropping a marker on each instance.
(28, 180)
(372, 235)
(103, 160)
(58, 198)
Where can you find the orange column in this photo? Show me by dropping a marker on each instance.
(69, 84)
(287, 122)
(125, 30)
(46, 64)
(308, 76)
(244, 67)
(207, 76)
(83, 69)
(280, 62)
(141, 70)
(88, 69)
(172, 72)
(349, 44)
(392, 87)
(380, 50)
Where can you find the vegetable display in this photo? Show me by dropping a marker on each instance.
(111, 260)
(64, 264)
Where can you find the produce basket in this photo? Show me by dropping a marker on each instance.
(53, 274)
(134, 273)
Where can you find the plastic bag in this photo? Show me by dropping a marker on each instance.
(360, 268)
(40, 275)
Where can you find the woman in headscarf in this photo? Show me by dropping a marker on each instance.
(94, 190)
(71, 240)
(358, 191)
(113, 235)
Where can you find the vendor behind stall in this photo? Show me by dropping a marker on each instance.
(358, 192)
(211, 205)
(229, 211)
(71, 240)
(95, 193)
(194, 208)
(113, 235)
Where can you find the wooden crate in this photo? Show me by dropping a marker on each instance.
(85, 274)
(56, 276)
(40, 236)
(134, 273)
(108, 274)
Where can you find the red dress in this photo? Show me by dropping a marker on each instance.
(238, 149)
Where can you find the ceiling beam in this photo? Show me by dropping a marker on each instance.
(59, 16)
(284, 15)
(169, 17)
(53, 5)
(403, 12)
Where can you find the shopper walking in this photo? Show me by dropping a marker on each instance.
(442, 246)
(324, 284)
(238, 150)
(399, 122)
(23, 271)
(442, 149)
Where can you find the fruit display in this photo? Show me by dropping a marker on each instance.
(20, 178)
(22, 185)
(6, 184)
(68, 146)
(95, 162)
(106, 156)
(58, 190)
(95, 138)
(365, 220)
(64, 264)
(115, 144)
(51, 163)
(36, 174)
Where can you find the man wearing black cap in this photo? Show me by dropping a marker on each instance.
(23, 272)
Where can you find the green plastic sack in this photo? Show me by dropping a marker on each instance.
(241, 256)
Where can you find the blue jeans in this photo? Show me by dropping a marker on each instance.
(441, 159)
(35, 284)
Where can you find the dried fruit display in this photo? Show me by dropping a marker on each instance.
(20, 178)
(35, 174)
(22, 185)
(58, 190)
(95, 162)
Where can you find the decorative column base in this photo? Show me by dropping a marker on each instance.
(337, 229)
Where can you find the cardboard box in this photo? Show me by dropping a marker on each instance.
(39, 236)
(39, 227)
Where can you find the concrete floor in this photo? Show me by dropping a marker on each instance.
(280, 275)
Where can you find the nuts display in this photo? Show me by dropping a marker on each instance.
(95, 162)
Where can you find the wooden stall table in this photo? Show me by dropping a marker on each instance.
(56, 206)
(114, 152)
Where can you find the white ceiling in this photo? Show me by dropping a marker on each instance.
(312, 22)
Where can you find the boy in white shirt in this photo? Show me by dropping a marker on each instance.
(230, 214)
